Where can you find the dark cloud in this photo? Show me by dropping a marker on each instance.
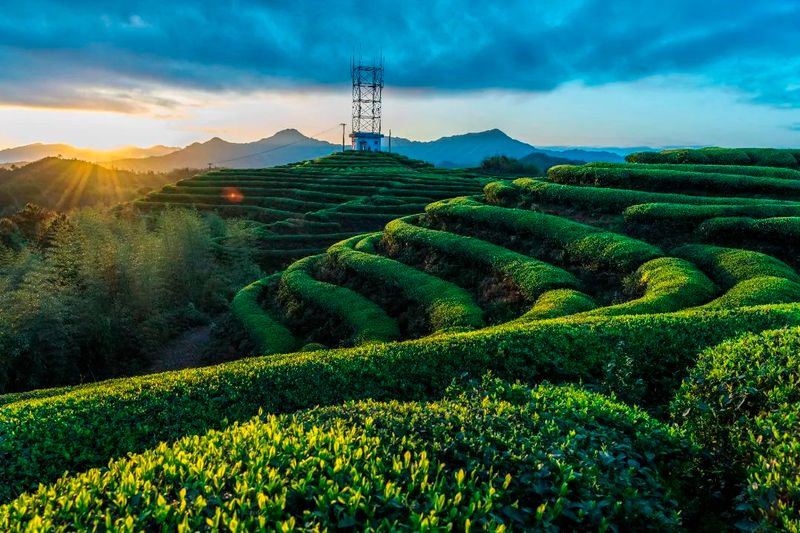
(113, 54)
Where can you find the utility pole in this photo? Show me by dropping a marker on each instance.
(343, 125)
(390, 140)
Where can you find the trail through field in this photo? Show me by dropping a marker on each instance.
(185, 351)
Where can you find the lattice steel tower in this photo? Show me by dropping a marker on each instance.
(367, 87)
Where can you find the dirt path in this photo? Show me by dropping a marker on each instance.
(185, 351)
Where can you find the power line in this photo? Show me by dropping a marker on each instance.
(274, 148)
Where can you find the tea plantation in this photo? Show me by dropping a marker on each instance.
(612, 347)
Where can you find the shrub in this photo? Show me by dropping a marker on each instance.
(741, 402)
(558, 303)
(670, 284)
(768, 157)
(769, 172)
(447, 306)
(758, 291)
(267, 333)
(531, 276)
(500, 456)
(365, 320)
(679, 217)
(603, 199)
(670, 180)
(775, 230)
(640, 358)
(588, 246)
(729, 266)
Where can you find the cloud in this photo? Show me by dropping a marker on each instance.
(119, 55)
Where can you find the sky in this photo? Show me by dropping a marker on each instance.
(571, 72)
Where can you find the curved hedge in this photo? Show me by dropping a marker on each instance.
(767, 157)
(558, 303)
(776, 230)
(501, 456)
(366, 321)
(670, 180)
(729, 266)
(758, 291)
(766, 172)
(531, 276)
(670, 284)
(690, 216)
(586, 245)
(642, 359)
(446, 305)
(599, 199)
(742, 402)
(268, 334)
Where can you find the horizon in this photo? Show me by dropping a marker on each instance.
(581, 73)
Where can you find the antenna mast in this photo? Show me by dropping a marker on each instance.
(367, 89)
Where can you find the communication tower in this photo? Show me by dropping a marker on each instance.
(367, 87)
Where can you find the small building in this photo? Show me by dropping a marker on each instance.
(365, 141)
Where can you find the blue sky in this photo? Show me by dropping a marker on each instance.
(580, 72)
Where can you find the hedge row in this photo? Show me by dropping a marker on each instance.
(758, 291)
(366, 321)
(558, 303)
(273, 202)
(598, 199)
(767, 157)
(766, 172)
(691, 216)
(670, 284)
(588, 246)
(499, 456)
(446, 305)
(777, 230)
(742, 402)
(640, 358)
(672, 180)
(729, 266)
(531, 276)
(268, 334)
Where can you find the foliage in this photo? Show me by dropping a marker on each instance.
(758, 291)
(632, 177)
(586, 245)
(530, 276)
(498, 457)
(267, 333)
(729, 266)
(767, 157)
(641, 358)
(774, 230)
(670, 284)
(742, 402)
(770, 172)
(501, 164)
(558, 303)
(364, 320)
(447, 306)
(93, 295)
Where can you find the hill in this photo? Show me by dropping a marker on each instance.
(649, 313)
(283, 147)
(35, 152)
(64, 184)
(469, 149)
(302, 208)
(286, 146)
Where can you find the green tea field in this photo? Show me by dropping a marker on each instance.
(612, 347)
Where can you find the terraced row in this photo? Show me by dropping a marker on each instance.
(301, 209)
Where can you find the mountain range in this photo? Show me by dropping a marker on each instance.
(37, 151)
(286, 146)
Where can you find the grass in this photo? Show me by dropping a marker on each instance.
(268, 334)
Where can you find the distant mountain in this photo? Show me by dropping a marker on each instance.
(469, 149)
(286, 146)
(64, 184)
(34, 152)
